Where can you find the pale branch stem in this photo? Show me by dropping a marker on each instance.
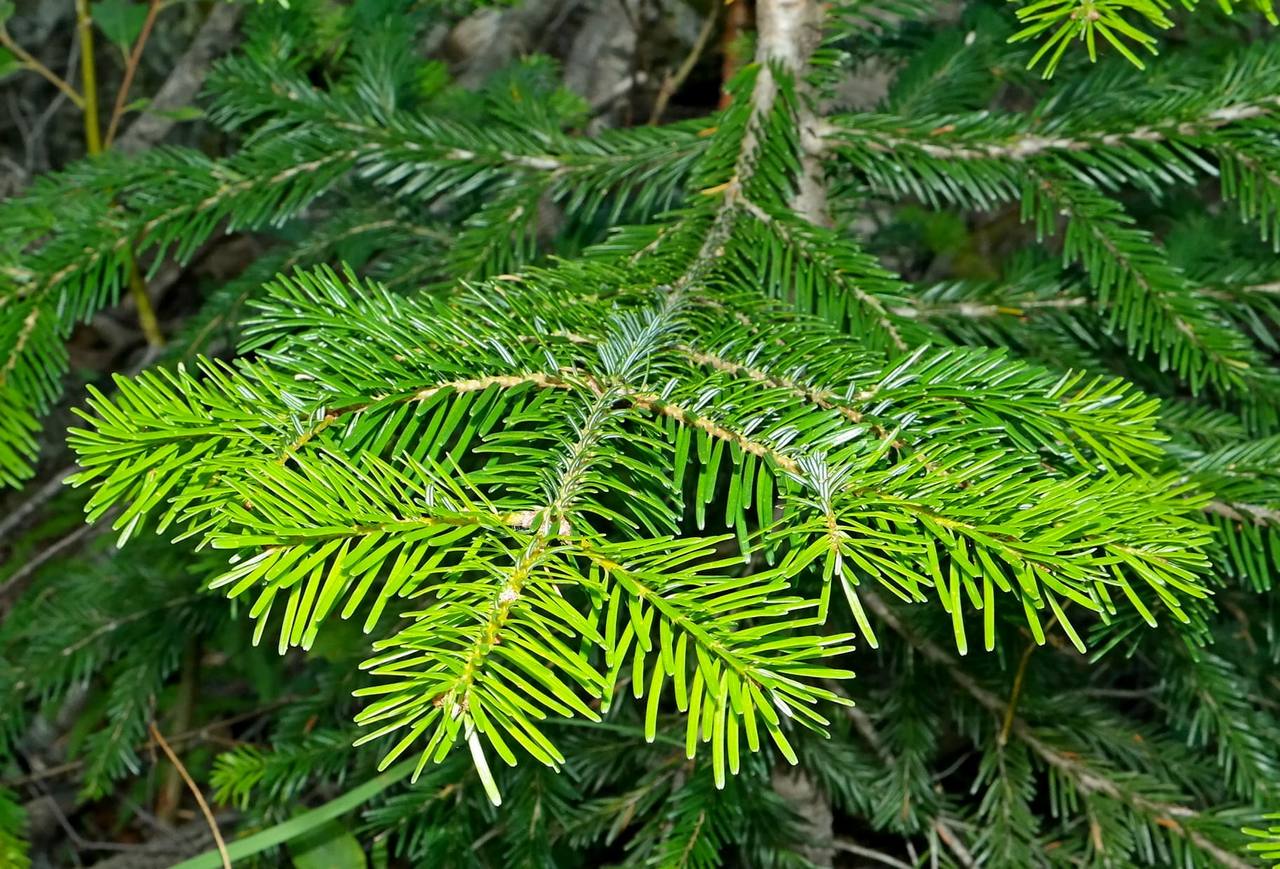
(35, 501)
(457, 699)
(15, 352)
(789, 31)
(1070, 208)
(62, 544)
(472, 384)
(570, 378)
(787, 35)
(826, 399)
(564, 379)
(637, 585)
(1028, 146)
(953, 843)
(1233, 293)
(170, 790)
(869, 854)
(1249, 162)
(806, 250)
(970, 310)
(655, 404)
(1022, 308)
(225, 191)
(554, 522)
(1088, 780)
(116, 624)
(1256, 514)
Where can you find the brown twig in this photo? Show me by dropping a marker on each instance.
(188, 687)
(20, 576)
(734, 23)
(201, 733)
(672, 83)
(130, 70)
(137, 285)
(952, 841)
(186, 79)
(1014, 694)
(35, 501)
(195, 791)
(870, 854)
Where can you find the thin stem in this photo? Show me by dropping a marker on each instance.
(36, 500)
(1015, 693)
(203, 733)
(298, 825)
(188, 687)
(673, 82)
(195, 791)
(130, 70)
(43, 71)
(735, 23)
(953, 842)
(147, 318)
(31, 565)
(93, 144)
(870, 854)
(88, 79)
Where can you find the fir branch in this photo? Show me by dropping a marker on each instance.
(1178, 819)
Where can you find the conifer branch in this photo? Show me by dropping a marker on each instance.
(606, 414)
(1178, 819)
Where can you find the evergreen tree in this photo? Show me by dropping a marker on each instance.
(585, 469)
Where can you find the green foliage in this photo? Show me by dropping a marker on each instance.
(120, 20)
(1118, 23)
(13, 846)
(67, 633)
(509, 421)
(1269, 846)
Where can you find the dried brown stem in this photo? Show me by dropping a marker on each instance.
(130, 70)
(195, 792)
(672, 83)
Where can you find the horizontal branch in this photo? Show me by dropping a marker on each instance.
(1171, 817)
(470, 384)
(883, 138)
(1255, 514)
